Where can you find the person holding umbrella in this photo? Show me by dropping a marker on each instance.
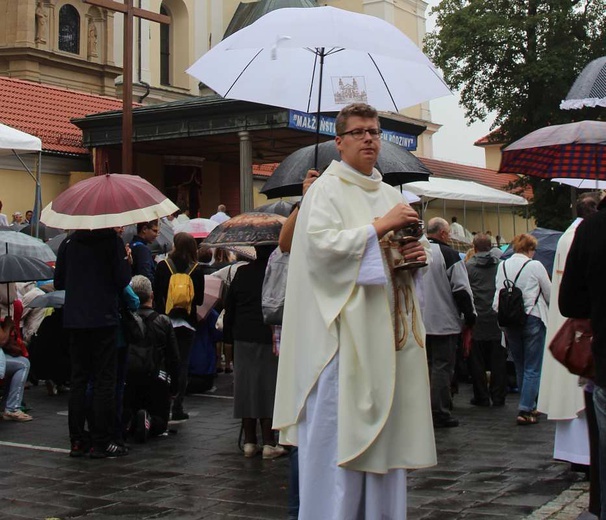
(358, 425)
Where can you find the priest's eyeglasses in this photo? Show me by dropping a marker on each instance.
(360, 133)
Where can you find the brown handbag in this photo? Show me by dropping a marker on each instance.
(571, 346)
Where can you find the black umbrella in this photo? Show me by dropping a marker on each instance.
(19, 268)
(280, 207)
(44, 233)
(52, 299)
(397, 165)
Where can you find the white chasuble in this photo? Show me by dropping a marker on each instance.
(384, 413)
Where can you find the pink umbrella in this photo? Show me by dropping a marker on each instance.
(197, 227)
(106, 201)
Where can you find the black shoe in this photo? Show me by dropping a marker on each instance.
(179, 415)
(111, 451)
(451, 422)
(498, 403)
(142, 426)
(78, 449)
(479, 402)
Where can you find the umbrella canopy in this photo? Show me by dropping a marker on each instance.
(12, 139)
(19, 268)
(55, 242)
(44, 232)
(21, 244)
(589, 89)
(280, 207)
(106, 201)
(53, 299)
(559, 151)
(546, 247)
(397, 165)
(197, 227)
(320, 59)
(583, 184)
(247, 229)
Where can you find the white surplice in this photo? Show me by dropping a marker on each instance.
(339, 331)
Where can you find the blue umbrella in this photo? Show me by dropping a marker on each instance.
(546, 248)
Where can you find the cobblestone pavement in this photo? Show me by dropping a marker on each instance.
(489, 468)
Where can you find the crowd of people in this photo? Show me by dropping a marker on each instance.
(355, 401)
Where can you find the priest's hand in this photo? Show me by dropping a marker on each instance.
(401, 215)
(413, 252)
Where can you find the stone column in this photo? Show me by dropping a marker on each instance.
(246, 187)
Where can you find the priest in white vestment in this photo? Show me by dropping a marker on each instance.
(353, 387)
(560, 396)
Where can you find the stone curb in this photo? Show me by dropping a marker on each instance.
(569, 505)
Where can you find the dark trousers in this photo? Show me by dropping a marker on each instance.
(93, 357)
(293, 484)
(441, 357)
(484, 356)
(594, 456)
(185, 340)
(151, 394)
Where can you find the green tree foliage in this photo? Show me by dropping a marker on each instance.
(518, 59)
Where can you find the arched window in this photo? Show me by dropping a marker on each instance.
(164, 50)
(69, 29)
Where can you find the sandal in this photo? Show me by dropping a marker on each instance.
(526, 418)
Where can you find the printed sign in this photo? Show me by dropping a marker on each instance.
(307, 123)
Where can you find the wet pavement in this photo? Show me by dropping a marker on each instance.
(489, 468)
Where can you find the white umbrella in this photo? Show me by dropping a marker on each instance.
(589, 89)
(16, 243)
(196, 227)
(320, 59)
(582, 184)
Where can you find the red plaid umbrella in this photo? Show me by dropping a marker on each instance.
(574, 150)
(106, 201)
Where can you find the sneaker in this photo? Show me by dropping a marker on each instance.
(273, 452)
(142, 425)
(251, 449)
(51, 388)
(17, 415)
(179, 415)
(111, 451)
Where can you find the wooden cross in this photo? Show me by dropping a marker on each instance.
(129, 12)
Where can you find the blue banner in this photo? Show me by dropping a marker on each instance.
(307, 123)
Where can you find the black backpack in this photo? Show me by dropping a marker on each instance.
(511, 302)
(142, 354)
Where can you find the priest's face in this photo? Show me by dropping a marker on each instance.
(360, 143)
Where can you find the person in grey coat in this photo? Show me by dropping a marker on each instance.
(487, 353)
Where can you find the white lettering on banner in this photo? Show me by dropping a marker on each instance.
(406, 142)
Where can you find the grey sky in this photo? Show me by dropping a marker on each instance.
(454, 141)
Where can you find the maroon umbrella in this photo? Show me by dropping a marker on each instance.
(106, 201)
(560, 151)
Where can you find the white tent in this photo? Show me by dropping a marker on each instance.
(16, 141)
(452, 189)
(13, 141)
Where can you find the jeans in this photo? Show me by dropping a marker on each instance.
(599, 403)
(17, 369)
(441, 357)
(527, 345)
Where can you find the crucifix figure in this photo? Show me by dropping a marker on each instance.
(129, 12)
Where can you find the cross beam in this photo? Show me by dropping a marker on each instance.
(129, 12)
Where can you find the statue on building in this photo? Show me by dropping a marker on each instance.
(92, 39)
(41, 23)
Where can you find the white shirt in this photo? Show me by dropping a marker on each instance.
(533, 282)
(220, 217)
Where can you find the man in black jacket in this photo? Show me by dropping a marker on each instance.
(92, 268)
(583, 295)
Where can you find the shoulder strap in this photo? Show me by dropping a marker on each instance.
(520, 271)
(151, 316)
(171, 266)
(192, 269)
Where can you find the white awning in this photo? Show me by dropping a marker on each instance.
(18, 141)
(452, 189)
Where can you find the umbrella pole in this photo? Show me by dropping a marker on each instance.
(318, 110)
(8, 297)
(513, 214)
(465, 214)
(483, 226)
(499, 220)
(526, 218)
